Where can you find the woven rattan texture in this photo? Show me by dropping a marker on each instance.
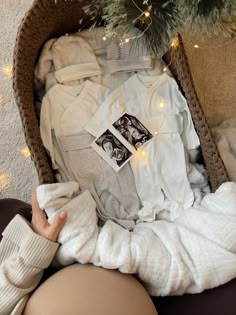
(180, 69)
(45, 20)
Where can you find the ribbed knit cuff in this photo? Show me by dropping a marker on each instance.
(77, 72)
(130, 64)
(34, 248)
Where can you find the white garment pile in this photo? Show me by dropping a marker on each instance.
(82, 103)
(225, 137)
(194, 253)
(157, 102)
(67, 69)
(87, 94)
(63, 60)
(65, 111)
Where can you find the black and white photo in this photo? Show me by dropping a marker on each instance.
(113, 148)
(132, 130)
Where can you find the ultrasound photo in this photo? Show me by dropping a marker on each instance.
(113, 148)
(132, 130)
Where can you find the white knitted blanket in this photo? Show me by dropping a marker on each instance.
(194, 253)
(225, 137)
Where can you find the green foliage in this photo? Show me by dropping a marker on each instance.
(167, 18)
(210, 16)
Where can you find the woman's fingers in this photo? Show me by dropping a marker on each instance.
(36, 211)
(57, 225)
(40, 224)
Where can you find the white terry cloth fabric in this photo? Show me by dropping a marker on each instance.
(65, 110)
(157, 102)
(132, 56)
(225, 137)
(194, 253)
(81, 209)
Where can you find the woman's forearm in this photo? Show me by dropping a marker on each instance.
(23, 257)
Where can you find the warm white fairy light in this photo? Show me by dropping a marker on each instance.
(127, 40)
(175, 42)
(7, 70)
(25, 152)
(4, 181)
(147, 13)
(142, 152)
(161, 103)
(104, 38)
(196, 46)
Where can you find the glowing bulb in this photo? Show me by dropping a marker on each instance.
(7, 70)
(104, 38)
(156, 133)
(25, 152)
(127, 40)
(175, 42)
(147, 13)
(4, 181)
(142, 151)
(161, 104)
(165, 69)
(196, 46)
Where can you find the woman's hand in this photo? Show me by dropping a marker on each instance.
(40, 224)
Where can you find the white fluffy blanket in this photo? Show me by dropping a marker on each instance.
(196, 252)
(225, 137)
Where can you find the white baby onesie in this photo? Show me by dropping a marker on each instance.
(65, 110)
(159, 168)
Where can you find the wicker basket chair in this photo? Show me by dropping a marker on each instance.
(45, 20)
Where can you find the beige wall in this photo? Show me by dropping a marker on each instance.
(213, 67)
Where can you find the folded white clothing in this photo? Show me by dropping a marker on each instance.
(114, 193)
(45, 76)
(45, 65)
(225, 137)
(65, 111)
(160, 167)
(132, 56)
(59, 194)
(74, 59)
(194, 253)
(80, 208)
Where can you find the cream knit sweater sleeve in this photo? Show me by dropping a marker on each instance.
(23, 257)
